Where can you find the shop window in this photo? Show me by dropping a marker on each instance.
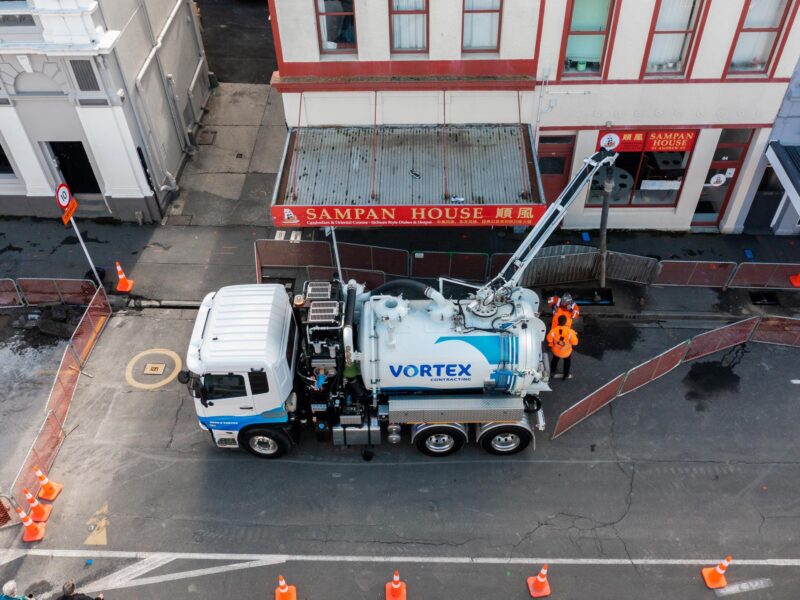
(650, 168)
(672, 36)
(5, 165)
(409, 25)
(218, 387)
(758, 35)
(336, 20)
(482, 25)
(586, 36)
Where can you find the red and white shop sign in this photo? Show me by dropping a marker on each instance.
(668, 140)
(407, 216)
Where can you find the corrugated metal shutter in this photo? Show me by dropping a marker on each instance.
(84, 75)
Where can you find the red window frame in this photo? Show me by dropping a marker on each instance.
(690, 49)
(465, 11)
(349, 49)
(426, 12)
(778, 30)
(609, 31)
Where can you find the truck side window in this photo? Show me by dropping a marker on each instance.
(258, 382)
(223, 386)
(290, 343)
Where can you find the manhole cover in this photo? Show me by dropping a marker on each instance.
(206, 137)
(154, 368)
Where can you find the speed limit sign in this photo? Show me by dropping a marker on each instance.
(63, 196)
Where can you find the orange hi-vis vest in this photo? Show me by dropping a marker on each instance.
(561, 340)
(562, 311)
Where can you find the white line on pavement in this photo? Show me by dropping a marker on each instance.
(744, 586)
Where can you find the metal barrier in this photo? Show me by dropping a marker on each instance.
(654, 368)
(51, 434)
(695, 273)
(469, 266)
(774, 276)
(56, 291)
(374, 258)
(631, 268)
(371, 279)
(8, 515)
(721, 338)
(556, 270)
(783, 331)
(588, 406)
(9, 294)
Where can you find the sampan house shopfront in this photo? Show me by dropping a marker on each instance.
(670, 179)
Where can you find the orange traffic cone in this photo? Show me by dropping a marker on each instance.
(538, 586)
(33, 532)
(39, 512)
(715, 576)
(49, 490)
(285, 592)
(396, 589)
(125, 285)
(795, 280)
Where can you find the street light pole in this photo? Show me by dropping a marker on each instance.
(608, 188)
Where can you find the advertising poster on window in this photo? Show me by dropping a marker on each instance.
(407, 216)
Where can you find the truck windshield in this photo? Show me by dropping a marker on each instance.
(223, 386)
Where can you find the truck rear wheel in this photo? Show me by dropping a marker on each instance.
(505, 440)
(265, 442)
(440, 440)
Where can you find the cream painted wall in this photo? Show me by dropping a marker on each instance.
(731, 221)
(299, 40)
(518, 29)
(372, 30)
(445, 30)
(632, 31)
(791, 52)
(715, 43)
(552, 32)
(26, 159)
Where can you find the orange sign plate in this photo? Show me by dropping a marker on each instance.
(69, 211)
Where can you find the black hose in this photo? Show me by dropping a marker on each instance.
(409, 284)
(350, 307)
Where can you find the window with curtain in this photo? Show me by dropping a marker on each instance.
(586, 37)
(337, 26)
(756, 40)
(409, 25)
(672, 36)
(482, 25)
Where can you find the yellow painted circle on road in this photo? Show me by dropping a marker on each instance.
(153, 386)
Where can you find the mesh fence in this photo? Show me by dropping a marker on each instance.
(782, 331)
(695, 274)
(470, 266)
(556, 270)
(765, 276)
(374, 258)
(654, 368)
(631, 268)
(720, 339)
(7, 514)
(42, 454)
(91, 324)
(371, 279)
(588, 406)
(283, 253)
(57, 291)
(9, 294)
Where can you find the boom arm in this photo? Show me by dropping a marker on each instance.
(511, 273)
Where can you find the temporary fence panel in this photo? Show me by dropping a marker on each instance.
(8, 515)
(42, 454)
(556, 270)
(783, 331)
(470, 266)
(631, 268)
(90, 326)
(654, 368)
(78, 292)
(773, 276)
(374, 258)
(694, 273)
(430, 265)
(720, 339)
(9, 294)
(497, 262)
(588, 406)
(371, 279)
(283, 253)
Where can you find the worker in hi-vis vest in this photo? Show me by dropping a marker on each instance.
(561, 340)
(564, 305)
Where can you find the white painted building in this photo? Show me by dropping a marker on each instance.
(104, 95)
(691, 87)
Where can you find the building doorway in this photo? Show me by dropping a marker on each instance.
(766, 203)
(721, 177)
(555, 163)
(75, 168)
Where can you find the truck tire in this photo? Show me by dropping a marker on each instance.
(265, 442)
(440, 440)
(506, 440)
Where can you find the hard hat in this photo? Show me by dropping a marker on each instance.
(567, 298)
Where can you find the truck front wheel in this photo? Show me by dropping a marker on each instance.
(265, 442)
(439, 440)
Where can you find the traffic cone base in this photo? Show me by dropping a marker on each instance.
(713, 579)
(32, 532)
(284, 591)
(125, 285)
(41, 513)
(544, 589)
(395, 593)
(50, 491)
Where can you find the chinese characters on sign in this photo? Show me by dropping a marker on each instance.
(652, 141)
(406, 216)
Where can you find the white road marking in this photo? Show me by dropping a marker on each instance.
(744, 586)
(796, 381)
(8, 555)
(119, 578)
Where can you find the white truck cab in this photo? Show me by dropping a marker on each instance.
(241, 360)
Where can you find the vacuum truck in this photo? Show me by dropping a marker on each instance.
(358, 367)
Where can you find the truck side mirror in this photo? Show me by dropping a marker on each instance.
(183, 377)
